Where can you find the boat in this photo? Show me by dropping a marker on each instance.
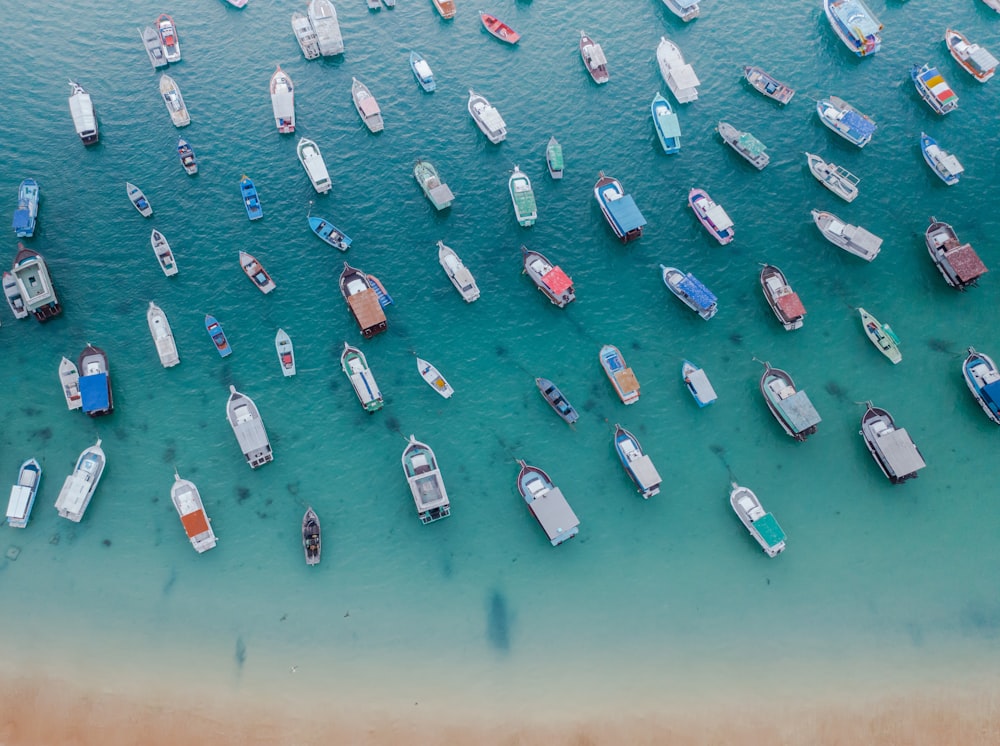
(13, 295)
(994, 4)
(487, 118)
(256, 272)
(851, 238)
(367, 106)
(686, 10)
(95, 382)
(312, 540)
(666, 124)
(422, 474)
(547, 504)
(836, 178)
(445, 8)
(237, 3)
(81, 107)
(945, 165)
(430, 182)
(163, 337)
(748, 146)
(983, 380)
(781, 298)
(283, 101)
(312, 161)
(355, 366)
(762, 525)
(167, 29)
(767, 84)
(711, 215)
(458, 273)
(163, 253)
(362, 301)
(305, 35)
(881, 335)
(934, 89)
(34, 285)
(792, 409)
(218, 336)
(677, 74)
(499, 29)
(557, 401)
(174, 102)
(248, 427)
(26, 214)
(329, 233)
(323, 17)
(186, 155)
(555, 284)
(638, 465)
(845, 120)
(975, 60)
(691, 291)
(554, 158)
(69, 377)
(958, 263)
(197, 525)
(286, 352)
(891, 447)
(138, 199)
(619, 209)
(389, 3)
(154, 47)
(23, 493)
(422, 72)
(593, 58)
(384, 299)
(434, 379)
(374, 4)
(697, 384)
(251, 200)
(80, 485)
(523, 198)
(621, 376)
(855, 25)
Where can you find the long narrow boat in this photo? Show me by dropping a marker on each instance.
(367, 106)
(983, 379)
(855, 25)
(784, 301)
(436, 191)
(434, 378)
(555, 284)
(154, 47)
(593, 58)
(174, 102)
(842, 118)
(666, 124)
(312, 537)
(712, 216)
(836, 178)
(697, 384)
(426, 484)
(975, 60)
(619, 209)
(286, 352)
(323, 17)
(314, 165)
(523, 198)
(422, 71)
(487, 118)
(138, 199)
(891, 447)
(69, 377)
(946, 166)
(851, 238)
(13, 295)
(163, 337)
(499, 29)
(677, 74)
(197, 525)
(164, 256)
(458, 273)
(81, 108)
(445, 8)
(187, 157)
(26, 214)
(167, 29)
(934, 89)
(791, 408)
(547, 504)
(881, 335)
(214, 329)
(767, 84)
(958, 263)
(283, 101)
(248, 427)
(329, 233)
(762, 525)
(637, 464)
(621, 376)
(560, 405)
(690, 291)
(95, 382)
(34, 284)
(251, 200)
(363, 301)
(78, 489)
(305, 35)
(355, 366)
(748, 146)
(256, 272)
(23, 493)
(554, 158)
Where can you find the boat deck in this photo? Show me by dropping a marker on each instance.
(769, 530)
(625, 213)
(555, 516)
(898, 450)
(799, 411)
(966, 263)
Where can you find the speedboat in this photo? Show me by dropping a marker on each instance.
(422, 71)
(983, 380)
(557, 401)
(638, 465)
(23, 493)
(174, 102)
(248, 427)
(164, 255)
(163, 337)
(256, 272)
(251, 201)
(81, 107)
(426, 485)
(457, 272)
(197, 525)
(487, 118)
(286, 352)
(711, 215)
(434, 379)
(312, 541)
(283, 101)
(762, 525)
(312, 161)
(214, 329)
(80, 485)
(355, 366)
(168, 38)
(367, 106)
(186, 154)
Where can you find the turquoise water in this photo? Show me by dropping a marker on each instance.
(480, 604)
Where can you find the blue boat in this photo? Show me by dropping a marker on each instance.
(27, 209)
(422, 72)
(250, 199)
(218, 336)
(668, 129)
(983, 380)
(638, 465)
(557, 401)
(95, 382)
(691, 291)
(698, 384)
(945, 165)
(845, 120)
(329, 233)
(619, 208)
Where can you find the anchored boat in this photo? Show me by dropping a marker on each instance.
(81, 107)
(638, 465)
(323, 17)
(668, 128)
(748, 146)
(174, 102)
(975, 60)
(855, 25)
(767, 84)
(434, 379)
(426, 485)
(283, 101)
(305, 35)
(251, 200)
(186, 154)
(256, 272)
(422, 71)
(762, 525)
(23, 493)
(13, 295)
(248, 427)
(167, 29)
(555, 284)
(686, 10)
(697, 384)
(26, 213)
(367, 106)
(593, 58)
(678, 75)
(622, 378)
(781, 298)
(851, 238)
(523, 198)
(163, 337)
(312, 541)
(286, 352)
(362, 301)
(934, 89)
(355, 366)
(329, 233)
(487, 118)
(197, 525)
(958, 263)
(554, 158)
(945, 165)
(499, 29)
(619, 209)
(839, 116)
(95, 382)
(138, 199)
(881, 335)
(79, 487)
(430, 182)
(712, 216)
(890, 446)
(691, 292)
(792, 409)
(154, 47)
(312, 161)
(34, 285)
(214, 329)
(983, 380)
(557, 401)
(836, 178)
(547, 504)
(457, 272)
(163, 253)
(69, 377)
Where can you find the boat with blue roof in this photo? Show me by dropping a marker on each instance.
(422, 71)
(329, 233)
(214, 329)
(547, 504)
(855, 25)
(619, 208)
(934, 89)
(27, 209)
(839, 116)
(557, 401)
(638, 465)
(691, 291)
(762, 525)
(251, 200)
(668, 128)
(23, 493)
(944, 164)
(697, 384)
(621, 376)
(95, 382)
(790, 407)
(711, 215)
(983, 380)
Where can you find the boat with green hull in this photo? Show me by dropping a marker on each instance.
(881, 335)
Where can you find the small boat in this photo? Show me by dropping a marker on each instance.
(666, 124)
(697, 384)
(983, 380)
(237, 3)
(499, 29)
(891, 447)
(994, 4)
(389, 3)
(154, 47)
(13, 295)
(312, 541)
(95, 382)
(619, 209)
(638, 465)
(781, 298)
(384, 299)
(363, 301)
(881, 335)
(367, 106)
(761, 525)
(374, 4)
(251, 200)
(248, 427)
(686, 10)
(256, 272)
(547, 504)
(523, 198)
(691, 291)
(557, 401)
(711, 215)
(457, 272)
(554, 158)
(855, 25)
(845, 120)
(434, 379)
(174, 102)
(355, 366)
(34, 285)
(305, 35)
(422, 72)
(593, 58)
(621, 376)
(197, 525)
(487, 118)
(975, 60)
(286, 352)
(550, 280)
(80, 485)
(283, 101)
(81, 107)
(748, 146)
(138, 199)
(69, 377)
(851, 238)
(958, 263)
(934, 89)
(163, 337)
(945, 165)
(836, 178)
(329, 233)
(23, 493)
(323, 17)
(26, 214)
(768, 85)
(677, 74)
(186, 155)
(218, 336)
(167, 29)
(163, 253)
(445, 8)
(426, 485)
(312, 161)
(792, 409)
(430, 181)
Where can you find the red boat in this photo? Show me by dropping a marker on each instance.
(499, 29)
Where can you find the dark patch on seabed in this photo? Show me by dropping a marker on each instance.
(106, 542)
(171, 579)
(121, 433)
(293, 489)
(241, 652)
(242, 494)
(736, 338)
(169, 454)
(45, 434)
(498, 622)
(981, 618)
(501, 351)
(447, 568)
(940, 345)
(835, 389)
(31, 411)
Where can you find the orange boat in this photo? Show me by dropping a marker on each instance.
(499, 29)
(445, 7)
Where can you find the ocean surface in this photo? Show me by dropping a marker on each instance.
(655, 599)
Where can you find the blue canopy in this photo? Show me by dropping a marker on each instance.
(22, 219)
(858, 124)
(95, 392)
(991, 393)
(625, 213)
(697, 292)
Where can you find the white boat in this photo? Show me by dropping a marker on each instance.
(355, 366)
(836, 178)
(154, 47)
(69, 377)
(13, 295)
(305, 35)
(975, 60)
(22, 494)
(174, 102)
(457, 272)
(487, 118)
(686, 10)
(312, 161)
(636, 463)
(367, 106)
(678, 75)
(167, 29)
(286, 352)
(138, 199)
(748, 146)
(434, 379)
(851, 238)
(697, 384)
(523, 198)
(164, 255)
(283, 101)
(197, 526)
(79, 487)
(163, 337)
(323, 17)
(254, 270)
(547, 504)
(81, 107)
(439, 194)
(845, 120)
(761, 525)
(248, 427)
(426, 485)
(947, 167)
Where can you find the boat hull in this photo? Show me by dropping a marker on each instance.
(791, 408)
(697, 384)
(546, 503)
(982, 378)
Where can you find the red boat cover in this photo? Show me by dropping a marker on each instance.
(966, 263)
(791, 306)
(195, 523)
(557, 281)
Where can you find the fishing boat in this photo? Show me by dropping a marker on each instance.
(248, 427)
(975, 60)
(323, 17)
(748, 146)
(79, 487)
(697, 384)
(256, 272)
(445, 8)
(26, 214)
(881, 335)
(251, 200)
(555, 284)
(711, 215)
(557, 401)
(983, 380)
(81, 107)
(95, 382)
(34, 285)
(426, 485)
(621, 376)
(163, 337)
(593, 58)
(499, 29)
(312, 538)
(668, 128)
(458, 273)
(283, 101)
(138, 199)
(218, 336)
(855, 25)
(851, 238)
(434, 378)
(792, 409)
(196, 523)
(23, 493)
(781, 298)
(367, 106)
(836, 178)
(762, 525)
(891, 447)
(430, 182)
(767, 84)
(186, 155)
(161, 249)
(554, 158)
(422, 71)
(363, 301)
(690, 290)
(619, 209)
(329, 233)
(638, 465)
(167, 29)
(839, 116)
(355, 366)
(677, 74)
(13, 295)
(523, 198)
(305, 35)
(312, 161)
(69, 377)
(958, 263)
(934, 89)
(487, 118)
(174, 102)
(547, 504)
(286, 352)
(945, 165)
(154, 47)
(686, 10)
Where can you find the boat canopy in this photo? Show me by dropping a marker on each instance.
(423, 70)
(981, 59)
(938, 87)
(684, 76)
(22, 220)
(595, 55)
(645, 472)
(441, 195)
(702, 386)
(693, 289)
(719, 217)
(965, 261)
(557, 281)
(751, 144)
(669, 124)
(625, 213)
(799, 411)
(899, 451)
(555, 516)
(369, 107)
(991, 393)
(860, 126)
(94, 392)
(195, 523)
(20, 497)
(555, 155)
(948, 163)
(790, 305)
(769, 530)
(492, 119)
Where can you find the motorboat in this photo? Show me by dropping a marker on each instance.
(892, 447)
(593, 58)
(81, 107)
(197, 525)
(851, 238)
(215, 331)
(439, 194)
(355, 366)
(312, 161)
(836, 178)
(784, 301)
(163, 337)
(95, 382)
(619, 209)
(958, 262)
(690, 291)
(23, 493)
(547, 504)
(256, 272)
(172, 99)
(164, 255)
(712, 216)
(26, 214)
(619, 374)
(790, 407)
(286, 352)
(762, 525)
(367, 106)
(422, 71)
(555, 284)
(434, 379)
(422, 474)
(167, 30)
(457, 272)
(283, 101)
(749, 147)
(983, 379)
(312, 537)
(523, 198)
(881, 335)
(697, 384)
(637, 464)
(487, 118)
(248, 427)
(78, 489)
(557, 401)
(677, 74)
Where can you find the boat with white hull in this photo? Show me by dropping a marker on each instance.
(637, 464)
(305, 35)
(686, 10)
(164, 255)
(323, 17)
(426, 485)
(891, 447)
(790, 407)
(547, 504)
(34, 284)
(81, 107)
(762, 525)
(13, 296)
(69, 377)
(697, 384)
(283, 101)
(355, 366)
(690, 291)
(367, 106)
(154, 47)
(439, 194)
(677, 74)
(286, 352)
(851, 238)
(842, 118)
(248, 427)
(197, 525)
(312, 537)
(23, 493)
(784, 301)
(172, 99)
(434, 379)
(312, 161)
(487, 118)
(836, 178)
(79, 487)
(458, 273)
(983, 379)
(163, 337)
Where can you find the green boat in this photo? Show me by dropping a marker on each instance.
(554, 158)
(523, 198)
(881, 335)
